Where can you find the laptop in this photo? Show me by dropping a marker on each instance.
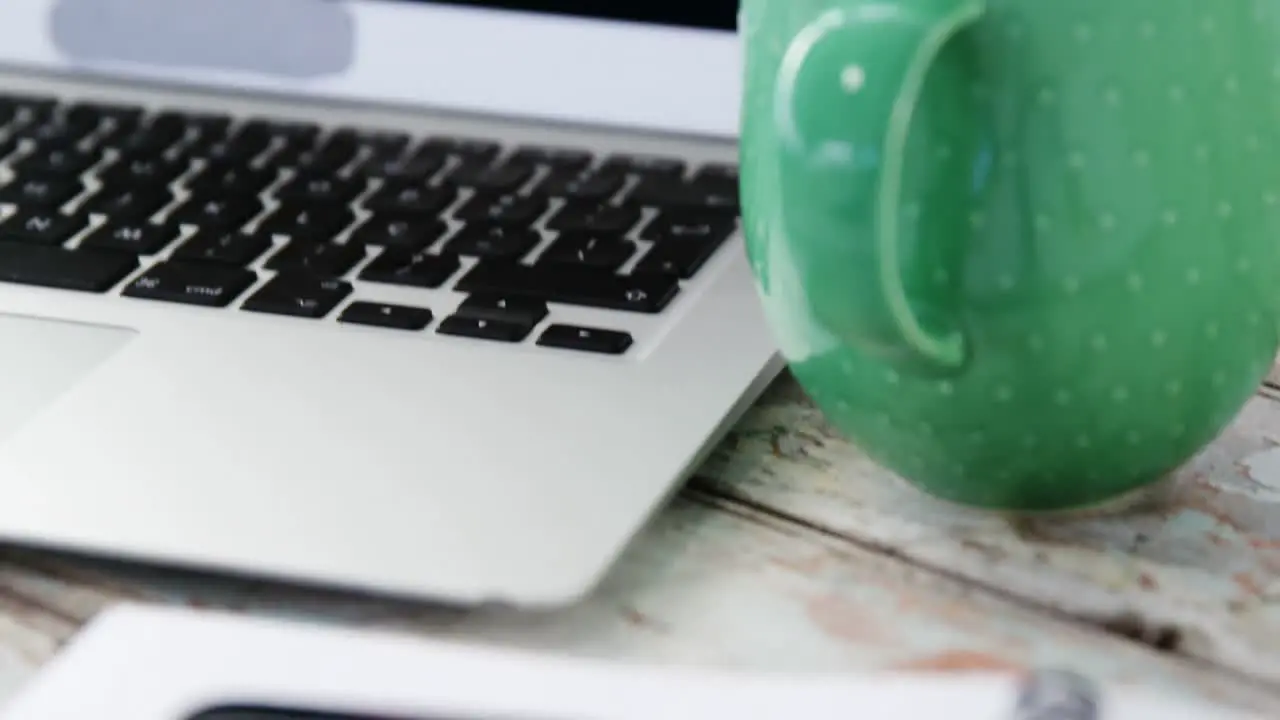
(439, 300)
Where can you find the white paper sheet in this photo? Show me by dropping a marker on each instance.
(151, 663)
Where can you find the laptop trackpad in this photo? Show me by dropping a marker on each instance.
(40, 360)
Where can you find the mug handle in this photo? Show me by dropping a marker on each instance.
(883, 42)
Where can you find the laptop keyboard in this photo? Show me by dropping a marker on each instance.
(269, 216)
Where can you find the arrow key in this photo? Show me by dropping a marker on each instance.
(514, 309)
(484, 329)
(397, 317)
(586, 339)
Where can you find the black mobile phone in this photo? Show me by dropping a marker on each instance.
(248, 712)
(265, 712)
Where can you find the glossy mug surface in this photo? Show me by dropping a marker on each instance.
(1025, 253)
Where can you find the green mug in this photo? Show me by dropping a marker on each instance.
(1024, 253)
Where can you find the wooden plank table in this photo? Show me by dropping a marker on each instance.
(791, 551)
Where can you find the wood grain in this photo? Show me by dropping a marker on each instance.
(1197, 573)
(706, 584)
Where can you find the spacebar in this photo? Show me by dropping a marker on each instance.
(87, 270)
(573, 285)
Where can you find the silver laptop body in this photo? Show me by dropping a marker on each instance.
(427, 299)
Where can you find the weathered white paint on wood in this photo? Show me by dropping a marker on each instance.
(1202, 563)
(705, 585)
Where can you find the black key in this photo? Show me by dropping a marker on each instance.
(414, 232)
(321, 259)
(171, 125)
(206, 124)
(335, 153)
(197, 127)
(9, 145)
(663, 192)
(505, 178)
(192, 283)
(128, 205)
(20, 109)
(295, 139)
(8, 112)
(717, 172)
(559, 158)
(716, 191)
(45, 227)
(195, 144)
(411, 197)
(462, 326)
(321, 189)
(522, 210)
(589, 187)
(716, 194)
(141, 169)
(417, 170)
(224, 247)
(512, 309)
(713, 226)
(604, 252)
(309, 222)
(342, 137)
(199, 134)
(571, 285)
(142, 238)
(383, 143)
(317, 160)
(42, 192)
(232, 179)
(31, 108)
(494, 241)
(287, 130)
(399, 317)
(223, 211)
(288, 133)
(415, 269)
(596, 340)
(56, 267)
(236, 150)
(59, 162)
(55, 135)
(137, 150)
(144, 141)
(110, 132)
(298, 295)
(467, 148)
(678, 257)
(595, 219)
(92, 114)
(294, 132)
(650, 165)
(82, 118)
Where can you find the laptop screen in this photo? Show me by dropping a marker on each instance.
(704, 14)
